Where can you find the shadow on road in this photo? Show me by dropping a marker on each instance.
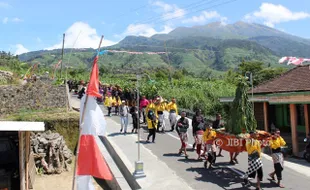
(191, 160)
(171, 155)
(120, 134)
(220, 176)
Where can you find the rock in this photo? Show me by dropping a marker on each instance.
(40, 150)
(51, 152)
(43, 141)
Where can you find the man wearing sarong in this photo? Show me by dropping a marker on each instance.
(160, 106)
(173, 112)
(197, 124)
(181, 128)
(217, 125)
(278, 160)
(255, 164)
(210, 148)
(108, 103)
(151, 125)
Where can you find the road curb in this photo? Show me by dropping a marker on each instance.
(120, 164)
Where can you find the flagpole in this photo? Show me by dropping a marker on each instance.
(82, 120)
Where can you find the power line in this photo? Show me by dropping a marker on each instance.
(206, 8)
(181, 9)
(132, 10)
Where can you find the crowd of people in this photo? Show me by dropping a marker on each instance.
(151, 112)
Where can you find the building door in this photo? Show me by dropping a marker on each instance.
(272, 118)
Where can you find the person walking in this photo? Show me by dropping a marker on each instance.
(143, 104)
(197, 125)
(173, 112)
(124, 110)
(181, 128)
(210, 148)
(255, 164)
(217, 125)
(134, 115)
(108, 103)
(277, 156)
(160, 107)
(151, 125)
(118, 103)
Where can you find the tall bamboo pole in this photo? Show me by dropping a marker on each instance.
(82, 120)
(62, 54)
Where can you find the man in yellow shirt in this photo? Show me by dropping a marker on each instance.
(160, 107)
(278, 160)
(255, 165)
(173, 112)
(210, 148)
(151, 124)
(108, 102)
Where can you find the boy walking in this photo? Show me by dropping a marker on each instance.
(124, 116)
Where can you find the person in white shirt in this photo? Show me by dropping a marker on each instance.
(124, 111)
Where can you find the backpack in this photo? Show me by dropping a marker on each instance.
(150, 114)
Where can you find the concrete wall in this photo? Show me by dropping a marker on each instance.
(33, 95)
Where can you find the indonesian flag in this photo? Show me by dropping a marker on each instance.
(91, 162)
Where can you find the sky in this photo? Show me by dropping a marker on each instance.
(30, 25)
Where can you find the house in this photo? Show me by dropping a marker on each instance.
(19, 149)
(283, 102)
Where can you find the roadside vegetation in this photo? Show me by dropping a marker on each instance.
(191, 91)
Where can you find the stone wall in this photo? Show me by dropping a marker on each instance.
(5, 77)
(33, 95)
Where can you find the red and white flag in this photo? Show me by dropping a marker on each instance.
(90, 161)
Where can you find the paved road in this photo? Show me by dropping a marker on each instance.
(226, 176)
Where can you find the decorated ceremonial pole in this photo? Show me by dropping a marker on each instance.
(81, 121)
(62, 54)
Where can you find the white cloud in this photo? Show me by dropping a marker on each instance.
(5, 20)
(17, 20)
(20, 49)
(39, 40)
(206, 16)
(4, 5)
(170, 11)
(271, 14)
(84, 36)
(146, 30)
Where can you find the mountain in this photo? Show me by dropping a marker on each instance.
(281, 43)
(199, 49)
(238, 30)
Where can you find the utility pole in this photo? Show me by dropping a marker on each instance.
(139, 173)
(62, 54)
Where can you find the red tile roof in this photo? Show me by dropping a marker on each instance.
(294, 80)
